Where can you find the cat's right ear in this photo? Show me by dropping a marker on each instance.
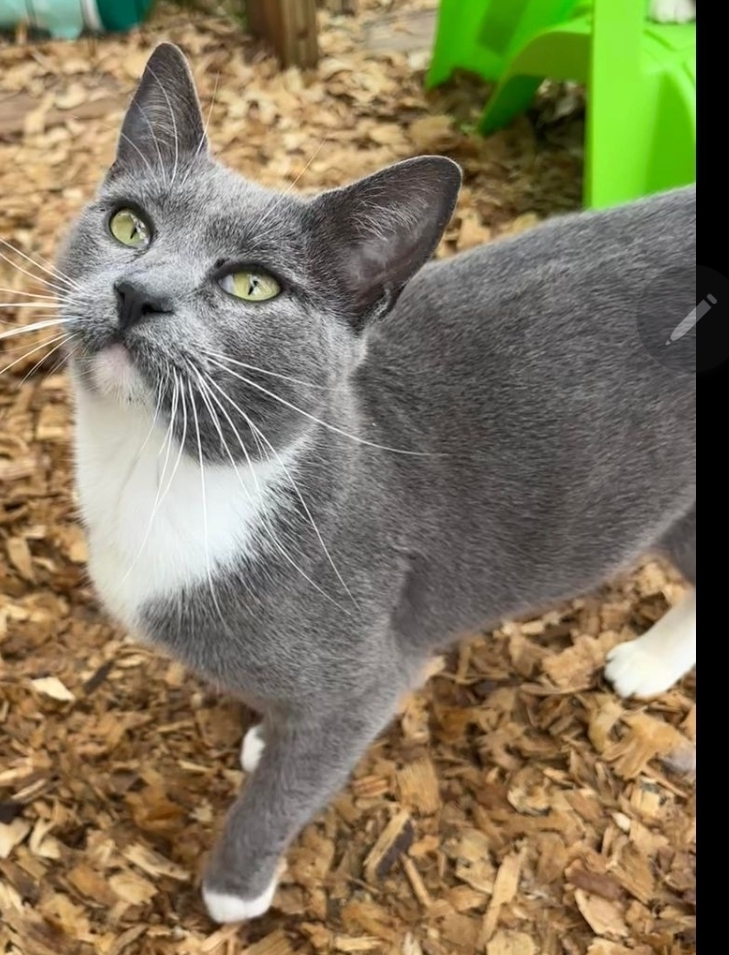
(164, 124)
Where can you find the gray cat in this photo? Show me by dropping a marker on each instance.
(306, 458)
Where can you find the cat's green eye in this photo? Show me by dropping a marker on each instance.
(129, 229)
(250, 285)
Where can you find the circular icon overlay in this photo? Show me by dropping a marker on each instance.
(680, 308)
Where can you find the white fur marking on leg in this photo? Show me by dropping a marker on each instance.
(673, 11)
(651, 664)
(252, 748)
(224, 908)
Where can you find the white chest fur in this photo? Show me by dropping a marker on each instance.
(151, 533)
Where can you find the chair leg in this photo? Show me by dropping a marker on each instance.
(673, 148)
(457, 44)
(511, 97)
(619, 105)
(560, 54)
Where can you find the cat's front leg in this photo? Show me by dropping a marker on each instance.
(307, 758)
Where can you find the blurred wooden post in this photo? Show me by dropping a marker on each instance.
(289, 26)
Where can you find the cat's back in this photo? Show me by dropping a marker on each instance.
(556, 448)
(529, 325)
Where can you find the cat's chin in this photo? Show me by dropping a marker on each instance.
(113, 375)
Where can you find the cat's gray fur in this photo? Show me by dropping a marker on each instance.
(549, 449)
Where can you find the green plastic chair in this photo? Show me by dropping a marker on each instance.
(481, 36)
(640, 77)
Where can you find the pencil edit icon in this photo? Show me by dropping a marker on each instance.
(686, 324)
(667, 311)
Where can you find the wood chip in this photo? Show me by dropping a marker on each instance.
(274, 944)
(511, 943)
(646, 739)
(154, 864)
(506, 884)
(601, 946)
(363, 944)
(603, 917)
(132, 888)
(395, 838)
(11, 835)
(89, 883)
(596, 883)
(602, 722)
(122, 943)
(635, 873)
(419, 787)
(21, 557)
(416, 881)
(53, 687)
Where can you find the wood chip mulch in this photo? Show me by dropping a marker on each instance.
(516, 806)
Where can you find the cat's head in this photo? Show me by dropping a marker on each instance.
(195, 290)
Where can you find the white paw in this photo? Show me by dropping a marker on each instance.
(224, 908)
(673, 11)
(634, 670)
(651, 664)
(252, 748)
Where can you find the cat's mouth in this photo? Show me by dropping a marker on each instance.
(111, 364)
(113, 373)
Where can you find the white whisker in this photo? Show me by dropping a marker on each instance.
(205, 509)
(183, 439)
(31, 351)
(274, 205)
(59, 289)
(204, 136)
(158, 497)
(271, 532)
(174, 122)
(156, 145)
(158, 405)
(17, 291)
(64, 357)
(144, 159)
(173, 412)
(61, 343)
(36, 326)
(308, 513)
(166, 444)
(262, 371)
(324, 424)
(207, 122)
(123, 135)
(52, 270)
(205, 395)
(27, 305)
(297, 491)
(16, 347)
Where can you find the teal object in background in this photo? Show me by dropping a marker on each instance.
(121, 15)
(67, 19)
(640, 78)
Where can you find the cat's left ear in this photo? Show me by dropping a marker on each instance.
(374, 235)
(164, 124)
